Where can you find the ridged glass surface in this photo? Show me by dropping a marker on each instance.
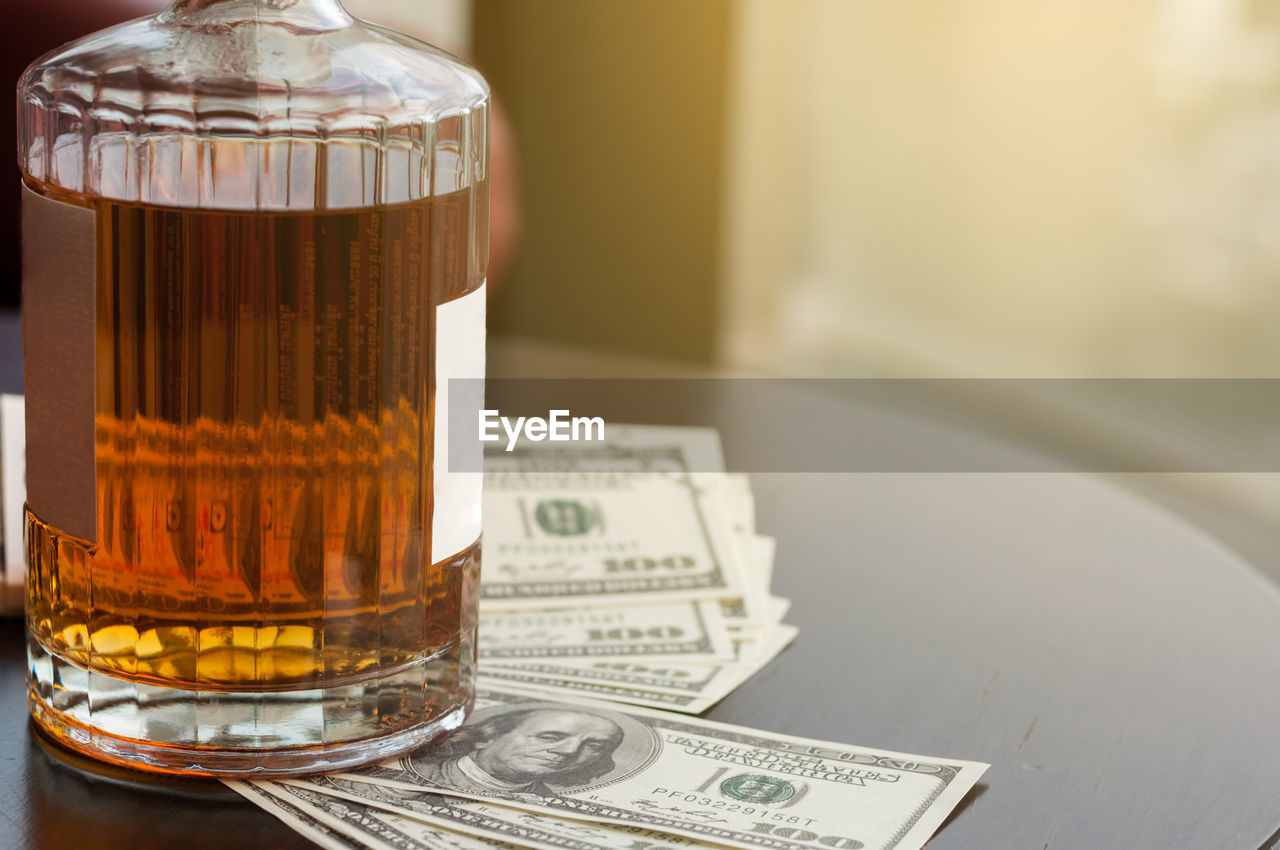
(283, 197)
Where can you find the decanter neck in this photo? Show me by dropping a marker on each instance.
(306, 14)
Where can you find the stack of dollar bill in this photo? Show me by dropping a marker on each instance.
(628, 571)
(528, 770)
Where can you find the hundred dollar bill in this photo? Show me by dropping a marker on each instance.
(516, 681)
(687, 688)
(606, 524)
(751, 609)
(690, 630)
(297, 819)
(707, 781)
(363, 824)
(502, 824)
(667, 676)
(663, 676)
(732, 493)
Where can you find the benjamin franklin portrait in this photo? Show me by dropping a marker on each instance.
(526, 751)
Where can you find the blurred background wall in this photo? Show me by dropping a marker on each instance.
(990, 187)
(619, 109)
(896, 187)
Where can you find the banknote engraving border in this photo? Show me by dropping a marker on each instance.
(605, 690)
(914, 817)
(544, 458)
(617, 679)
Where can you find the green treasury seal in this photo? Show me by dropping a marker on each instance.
(755, 788)
(564, 517)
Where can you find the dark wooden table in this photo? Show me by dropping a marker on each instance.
(1118, 668)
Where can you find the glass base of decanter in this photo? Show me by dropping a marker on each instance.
(247, 735)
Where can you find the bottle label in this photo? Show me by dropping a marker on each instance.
(58, 339)
(455, 514)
